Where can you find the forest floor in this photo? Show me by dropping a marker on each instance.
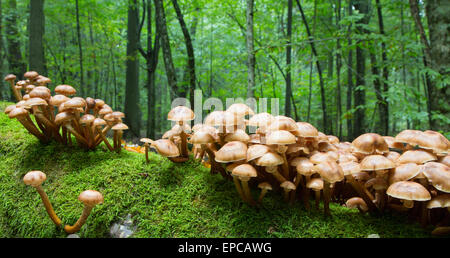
(163, 198)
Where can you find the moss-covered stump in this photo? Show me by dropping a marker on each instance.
(164, 199)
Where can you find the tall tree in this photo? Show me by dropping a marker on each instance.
(165, 44)
(326, 126)
(349, 105)
(132, 110)
(287, 106)
(36, 34)
(338, 73)
(360, 93)
(151, 58)
(437, 55)
(80, 49)
(250, 50)
(190, 51)
(16, 63)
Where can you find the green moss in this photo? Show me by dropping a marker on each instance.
(165, 199)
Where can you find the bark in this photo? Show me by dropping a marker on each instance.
(37, 29)
(360, 94)
(350, 135)
(338, 74)
(287, 107)
(80, 50)
(251, 54)
(132, 110)
(384, 105)
(326, 125)
(165, 44)
(189, 49)
(16, 63)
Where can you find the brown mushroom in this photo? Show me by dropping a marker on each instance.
(89, 198)
(264, 186)
(245, 172)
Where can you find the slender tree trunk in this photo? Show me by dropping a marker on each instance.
(360, 93)
(287, 107)
(326, 126)
(338, 74)
(80, 50)
(16, 63)
(350, 135)
(165, 43)
(3, 90)
(384, 105)
(251, 54)
(132, 110)
(36, 46)
(190, 51)
(378, 91)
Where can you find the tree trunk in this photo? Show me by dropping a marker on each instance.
(80, 50)
(350, 135)
(165, 43)
(251, 54)
(131, 106)
(37, 28)
(287, 107)
(190, 51)
(338, 74)
(326, 126)
(16, 63)
(360, 93)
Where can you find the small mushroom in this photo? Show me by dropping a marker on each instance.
(316, 184)
(118, 132)
(357, 203)
(408, 192)
(147, 143)
(89, 198)
(264, 186)
(287, 186)
(35, 179)
(245, 172)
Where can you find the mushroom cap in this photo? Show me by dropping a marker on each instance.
(178, 129)
(392, 155)
(320, 157)
(269, 159)
(231, 152)
(329, 171)
(376, 162)
(75, 102)
(315, 183)
(90, 102)
(370, 143)
(392, 144)
(265, 185)
(201, 137)
(65, 90)
(240, 109)
(283, 123)
(87, 119)
(407, 190)
(238, 135)
(438, 175)
(10, 77)
(166, 148)
(345, 157)
(17, 112)
(99, 103)
(255, 151)
(42, 80)
(63, 117)
(408, 136)
(356, 202)
(30, 75)
(146, 140)
(434, 141)
(231, 166)
(34, 178)
(245, 170)
(180, 113)
(377, 183)
(416, 156)
(120, 127)
(105, 110)
(288, 185)
(305, 167)
(260, 119)
(350, 168)
(444, 160)
(219, 118)
(35, 102)
(40, 93)
(99, 122)
(58, 99)
(9, 108)
(333, 139)
(404, 172)
(90, 197)
(280, 137)
(305, 129)
(440, 201)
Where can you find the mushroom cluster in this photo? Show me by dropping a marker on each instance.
(89, 198)
(372, 173)
(60, 116)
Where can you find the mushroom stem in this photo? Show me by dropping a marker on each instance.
(262, 194)
(239, 188)
(215, 166)
(119, 140)
(246, 190)
(297, 181)
(276, 174)
(184, 149)
(146, 152)
(80, 222)
(32, 129)
(363, 194)
(48, 206)
(102, 136)
(317, 201)
(78, 136)
(326, 198)
(15, 92)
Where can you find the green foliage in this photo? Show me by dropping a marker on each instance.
(164, 199)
